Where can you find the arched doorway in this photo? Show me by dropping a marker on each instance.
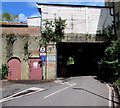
(14, 68)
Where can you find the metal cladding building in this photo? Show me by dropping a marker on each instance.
(84, 40)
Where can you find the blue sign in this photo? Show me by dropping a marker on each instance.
(43, 58)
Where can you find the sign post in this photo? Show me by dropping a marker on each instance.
(42, 53)
(42, 49)
(43, 57)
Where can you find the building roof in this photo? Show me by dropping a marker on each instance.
(33, 17)
(70, 5)
(13, 24)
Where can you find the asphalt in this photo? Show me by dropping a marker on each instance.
(76, 91)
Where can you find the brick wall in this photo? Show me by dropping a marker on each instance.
(18, 45)
(21, 30)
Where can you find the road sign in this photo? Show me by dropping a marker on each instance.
(43, 58)
(42, 49)
(42, 54)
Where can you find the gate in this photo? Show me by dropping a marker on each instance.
(35, 69)
(14, 68)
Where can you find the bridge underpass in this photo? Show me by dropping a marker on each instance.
(84, 56)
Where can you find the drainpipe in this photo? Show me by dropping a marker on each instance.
(40, 11)
(114, 20)
(43, 62)
(113, 16)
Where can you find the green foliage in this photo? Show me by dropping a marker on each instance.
(53, 31)
(88, 35)
(109, 66)
(26, 48)
(118, 82)
(3, 71)
(10, 38)
(7, 16)
(70, 61)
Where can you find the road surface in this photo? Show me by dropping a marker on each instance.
(74, 91)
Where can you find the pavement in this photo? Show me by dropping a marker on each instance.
(75, 91)
(10, 87)
(115, 96)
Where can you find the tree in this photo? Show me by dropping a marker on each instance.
(109, 66)
(53, 31)
(7, 16)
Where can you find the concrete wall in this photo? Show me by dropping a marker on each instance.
(80, 22)
(32, 35)
(18, 51)
(79, 19)
(23, 33)
(51, 62)
(35, 21)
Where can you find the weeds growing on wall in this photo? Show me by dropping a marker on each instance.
(53, 31)
(88, 36)
(26, 48)
(10, 38)
(107, 33)
(26, 52)
(3, 71)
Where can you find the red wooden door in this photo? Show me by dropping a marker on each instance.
(14, 68)
(35, 69)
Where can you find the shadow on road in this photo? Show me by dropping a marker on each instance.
(96, 95)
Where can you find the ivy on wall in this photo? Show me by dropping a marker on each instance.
(3, 71)
(26, 47)
(107, 33)
(53, 31)
(10, 38)
(26, 51)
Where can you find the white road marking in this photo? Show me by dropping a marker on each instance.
(12, 96)
(110, 95)
(61, 82)
(58, 81)
(60, 90)
(1, 89)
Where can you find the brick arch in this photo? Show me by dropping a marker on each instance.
(14, 68)
(14, 58)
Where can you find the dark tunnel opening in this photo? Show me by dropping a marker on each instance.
(85, 57)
